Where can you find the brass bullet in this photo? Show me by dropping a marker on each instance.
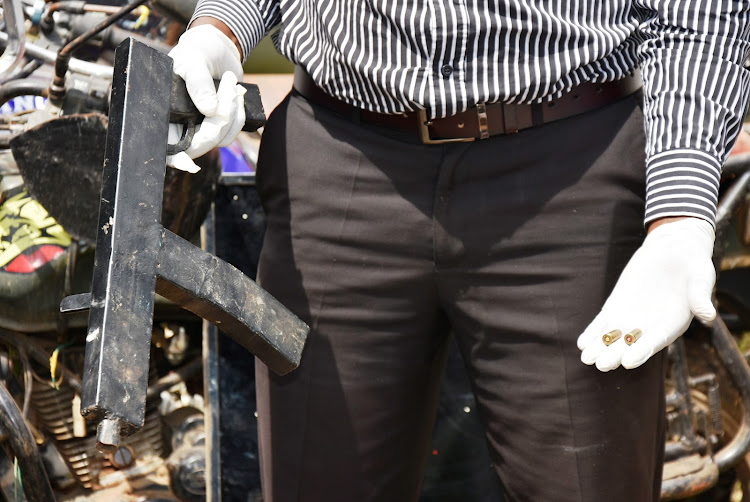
(611, 337)
(633, 336)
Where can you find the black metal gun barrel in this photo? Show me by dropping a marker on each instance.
(115, 375)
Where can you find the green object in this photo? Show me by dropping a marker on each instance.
(266, 59)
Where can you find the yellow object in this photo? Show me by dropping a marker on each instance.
(143, 17)
(633, 336)
(611, 337)
(53, 365)
(25, 223)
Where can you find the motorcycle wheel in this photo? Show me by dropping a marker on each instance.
(733, 485)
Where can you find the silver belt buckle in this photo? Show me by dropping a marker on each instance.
(424, 132)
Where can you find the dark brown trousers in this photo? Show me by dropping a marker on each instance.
(385, 247)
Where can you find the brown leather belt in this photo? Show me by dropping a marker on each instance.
(483, 120)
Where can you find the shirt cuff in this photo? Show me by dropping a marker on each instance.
(682, 183)
(243, 18)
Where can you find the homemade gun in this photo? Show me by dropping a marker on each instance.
(136, 257)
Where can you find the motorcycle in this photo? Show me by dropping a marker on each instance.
(52, 143)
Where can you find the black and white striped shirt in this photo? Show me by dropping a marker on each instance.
(396, 55)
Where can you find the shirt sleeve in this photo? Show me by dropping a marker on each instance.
(696, 90)
(249, 20)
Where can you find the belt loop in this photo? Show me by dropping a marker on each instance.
(510, 121)
(484, 131)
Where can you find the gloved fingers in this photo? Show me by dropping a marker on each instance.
(592, 351)
(609, 358)
(640, 352)
(213, 130)
(666, 282)
(699, 295)
(203, 141)
(594, 330)
(234, 62)
(654, 338)
(595, 347)
(219, 53)
(183, 162)
(239, 117)
(200, 88)
(202, 54)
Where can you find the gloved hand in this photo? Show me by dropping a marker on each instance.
(203, 54)
(668, 280)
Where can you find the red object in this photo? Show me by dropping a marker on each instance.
(25, 264)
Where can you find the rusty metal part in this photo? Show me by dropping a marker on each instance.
(737, 367)
(688, 476)
(633, 336)
(680, 400)
(84, 7)
(738, 261)
(62, 63)
(693, 474)
(611, 337)
(56, 414)
(710, 383)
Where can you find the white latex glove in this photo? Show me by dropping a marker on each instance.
(203, 54)
(666, 282)
(219, 129)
